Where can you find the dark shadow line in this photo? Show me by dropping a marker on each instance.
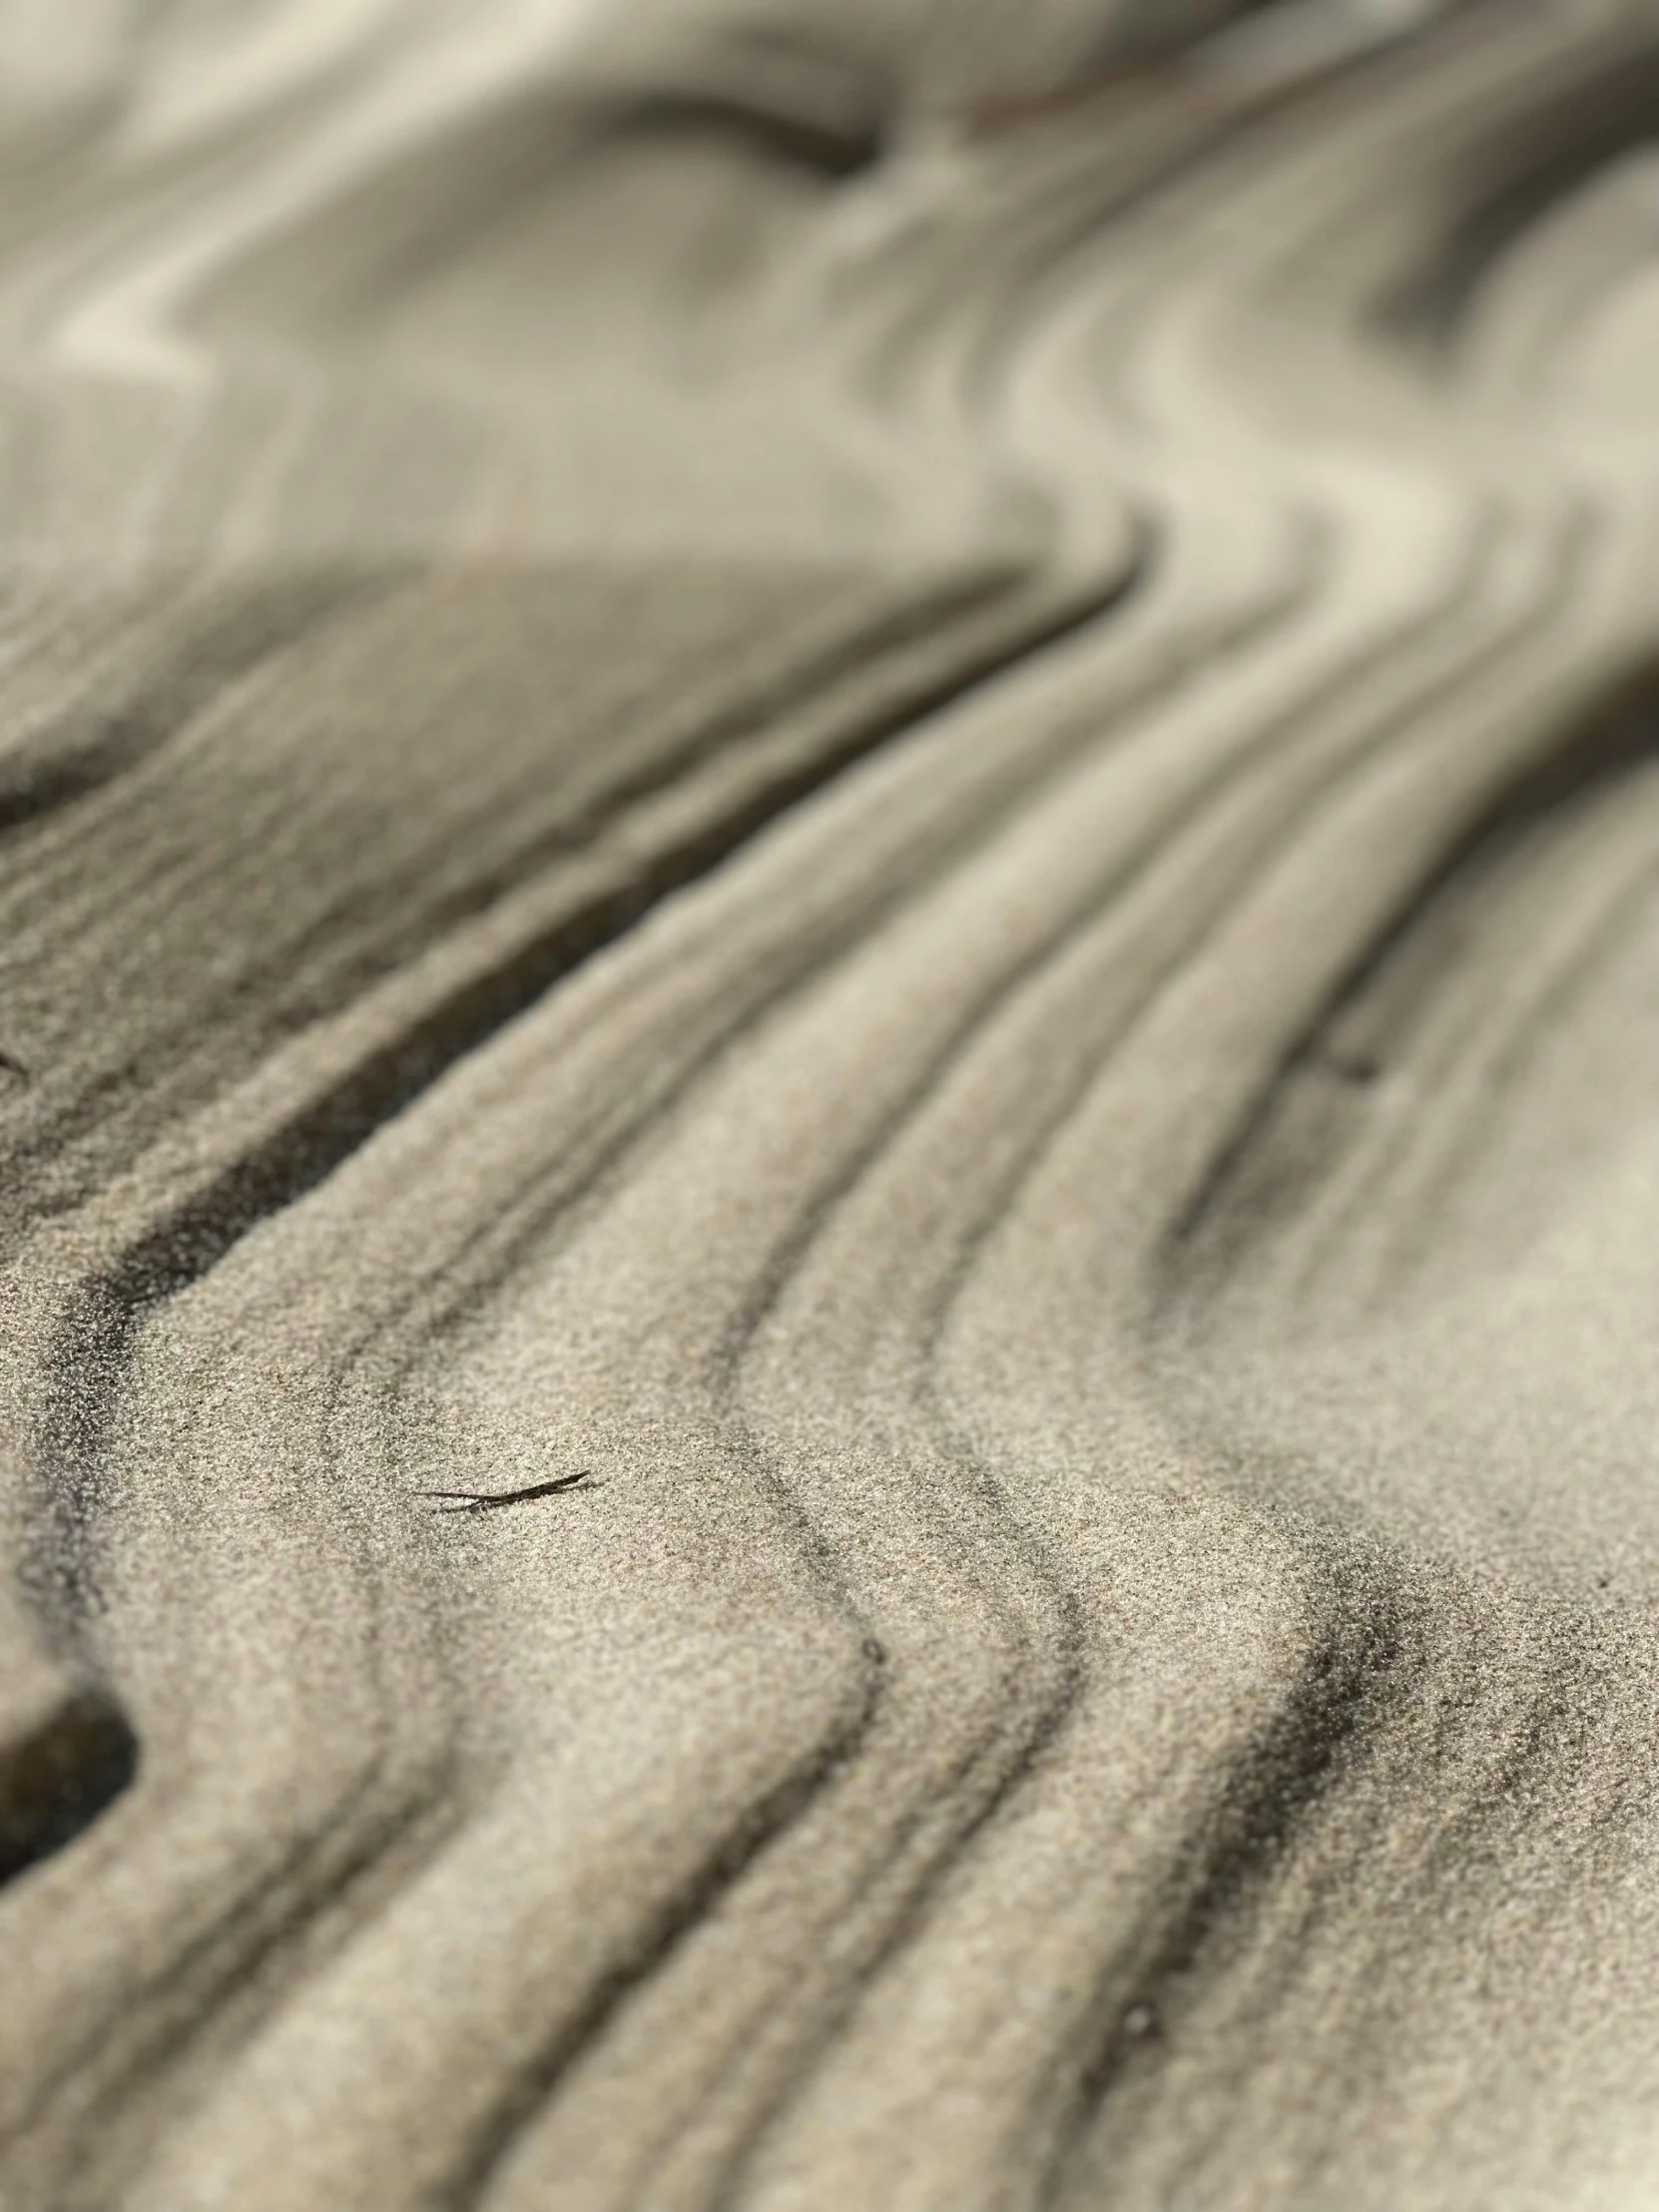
(58, 1775)
(88, 748)
(86, 1364)
(1613, 735)
(1037, 1738)
(749, 1836)
(1520, 166)
(1364, 1662)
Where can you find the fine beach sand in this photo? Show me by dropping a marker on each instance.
(873, 788)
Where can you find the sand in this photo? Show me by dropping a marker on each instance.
(871, 791)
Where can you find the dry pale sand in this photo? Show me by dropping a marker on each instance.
(884, 772)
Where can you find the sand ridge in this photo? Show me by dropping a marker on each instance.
(862, 802)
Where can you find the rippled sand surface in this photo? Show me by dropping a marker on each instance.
(830, 1098)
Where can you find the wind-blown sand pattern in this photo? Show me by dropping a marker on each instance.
(873, 787)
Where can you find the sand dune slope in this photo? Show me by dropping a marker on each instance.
(829, 887)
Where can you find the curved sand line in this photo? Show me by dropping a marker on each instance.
(862, 800)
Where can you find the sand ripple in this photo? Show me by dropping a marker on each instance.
(871, 791)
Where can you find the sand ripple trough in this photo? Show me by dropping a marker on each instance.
(873, 791)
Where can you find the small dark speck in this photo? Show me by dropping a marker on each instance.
(1353, 1067)
(12, 1071)
(1140, 2021)
(876, 1653)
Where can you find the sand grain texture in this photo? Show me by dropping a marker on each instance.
(887, 774)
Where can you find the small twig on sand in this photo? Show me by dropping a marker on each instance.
(481, 1501)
